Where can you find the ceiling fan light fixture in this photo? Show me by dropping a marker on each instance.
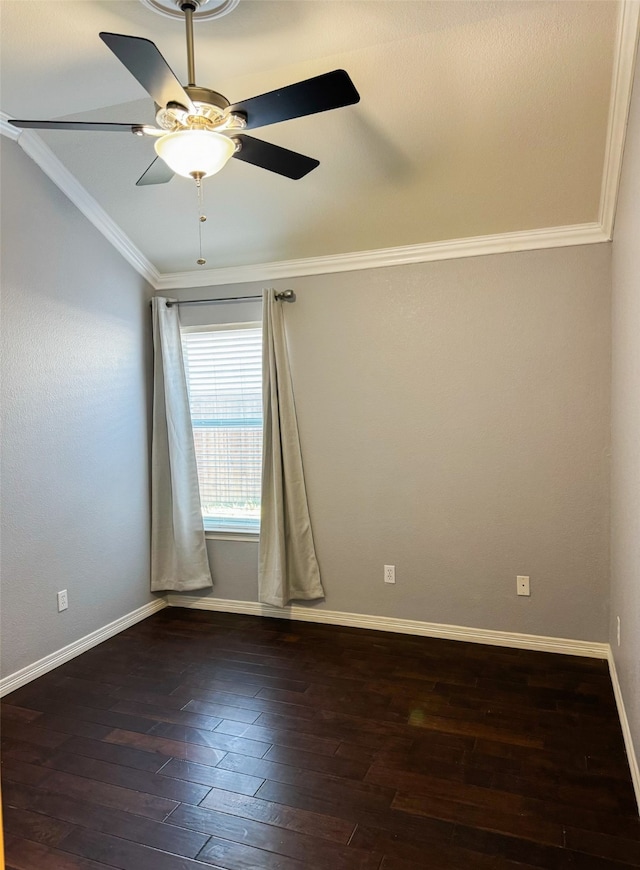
(195, 153)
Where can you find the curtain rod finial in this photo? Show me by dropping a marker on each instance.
(286, 296)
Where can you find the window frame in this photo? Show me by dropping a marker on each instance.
(223, 534)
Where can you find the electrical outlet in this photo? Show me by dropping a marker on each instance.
(389, 573)
(63, 601)
(618, 629)
(522, 585)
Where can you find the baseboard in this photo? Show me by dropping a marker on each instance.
(53, 660)
(590, 649)
(626, 729)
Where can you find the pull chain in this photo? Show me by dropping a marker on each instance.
(201, 218)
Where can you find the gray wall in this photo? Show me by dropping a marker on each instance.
(75, 503)
(454, 419)
(625, 428)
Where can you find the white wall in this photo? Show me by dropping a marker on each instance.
(75, 357)
(454, 419)
(625, 428)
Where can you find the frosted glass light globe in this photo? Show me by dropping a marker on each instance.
(194, 153)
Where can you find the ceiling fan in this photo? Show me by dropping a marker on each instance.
(198, 128)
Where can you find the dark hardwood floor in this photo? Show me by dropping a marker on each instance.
(196, 740)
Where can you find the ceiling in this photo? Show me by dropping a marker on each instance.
(476, 118)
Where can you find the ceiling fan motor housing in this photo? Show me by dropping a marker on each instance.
(212, 112)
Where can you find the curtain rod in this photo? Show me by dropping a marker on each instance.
(282, 296)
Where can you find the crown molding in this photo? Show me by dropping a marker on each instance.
(621, 87)
(43, 156)
(501, 243)
(6, 129)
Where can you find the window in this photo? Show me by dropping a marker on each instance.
(224, 376)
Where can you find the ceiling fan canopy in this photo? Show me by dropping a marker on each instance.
(205, 9)
(198, 129)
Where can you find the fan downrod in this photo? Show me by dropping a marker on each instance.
(189, 7)
(211, 106)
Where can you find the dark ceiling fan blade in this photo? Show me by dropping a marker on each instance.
(79, 125)
(274, 158)
(145, 63)
(157, 173)
(330, 90)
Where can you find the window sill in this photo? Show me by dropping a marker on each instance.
(251, 537)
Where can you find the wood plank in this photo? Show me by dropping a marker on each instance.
(127, 826)
(13, 713)
(167, 748)
(126, 777)
(320, 854)
(325, 798)
(437, 853)
(342, 767)
(233, 856)
(77, 727)
(27, 855)
(27, 752)
(161, 714)
(326, 827)
(517, 849)
(21, 771)
(126, 756)
(603, 846)
(109, 795)
(489, 818)
(34, 826)
(227, 780)
(281, 737)
(124, 854)
(224, 711)
(299, 777)
(214, 739)
(101, 717)
(28, 733)
(377, 735)
(206, 676)
(590, 792)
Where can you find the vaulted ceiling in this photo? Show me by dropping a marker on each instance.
(476, 118)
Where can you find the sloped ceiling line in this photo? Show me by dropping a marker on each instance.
(6, 129)
(622, 81)
(44, 157)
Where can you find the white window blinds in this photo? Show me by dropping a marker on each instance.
(224, 376)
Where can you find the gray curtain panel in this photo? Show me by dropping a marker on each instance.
(288, 568)
(178, 550)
